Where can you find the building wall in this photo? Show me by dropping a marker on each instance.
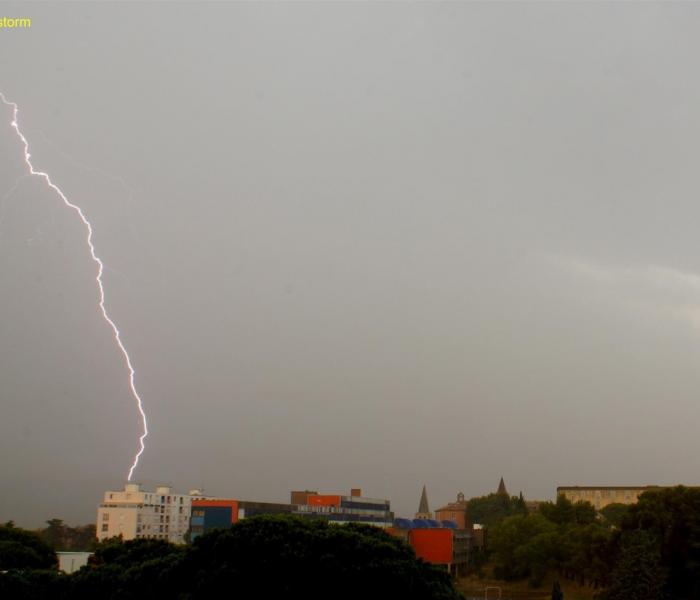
(135, 513)
(455, 513)
(70, 562)
(222, 513)
(212, 514)
(208, 514)
(432, 545)
(247, 509)
(601, 496)
(115, 521)
(301, 497)
(348, 509)
(323, 500)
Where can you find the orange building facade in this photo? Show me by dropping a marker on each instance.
(432, 545)
(438, 544)
(455, 511)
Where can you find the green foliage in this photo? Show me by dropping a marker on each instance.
(651, 553)
(20, 549)
(492, 509)
(563, 511)
(132, 569)
(311, 557)
(129, 554)
(671, 517)
(563, 536)
(614, 513)
(523, 546)
(638, 574)
(62, 537)
(262, 557)
(33, 585)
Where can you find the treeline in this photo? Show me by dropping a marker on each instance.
(492, 509)
(62, 537)
(647, 551)
(561, 536)
(260, 557)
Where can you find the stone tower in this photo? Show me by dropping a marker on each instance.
(502, 491)
(423, 508)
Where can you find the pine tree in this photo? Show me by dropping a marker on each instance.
(557, 594)
(638, 574)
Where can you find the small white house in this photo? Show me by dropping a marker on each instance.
(70, 562)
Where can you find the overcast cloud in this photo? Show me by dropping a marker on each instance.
(350, 244)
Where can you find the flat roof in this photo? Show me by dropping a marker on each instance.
(611, 487)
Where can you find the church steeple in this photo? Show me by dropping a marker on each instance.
(502, 491)
(423, 508)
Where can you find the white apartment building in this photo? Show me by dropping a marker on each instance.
(135, 513)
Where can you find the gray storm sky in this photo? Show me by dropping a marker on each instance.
(350, 244)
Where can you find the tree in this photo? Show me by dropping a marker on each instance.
(523, 546)
(563, 511)
(21, 549)
(310, 557)
(27, 565)
(587, 555)
(614, 513)
(492, 509)
(54, 533)
(33, 585)
(62, 537)
(557, 594)
(563, 536)
(671, 517)
(274, 557)
(638, 574)
(82, 538)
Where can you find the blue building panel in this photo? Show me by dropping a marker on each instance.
(216, 517)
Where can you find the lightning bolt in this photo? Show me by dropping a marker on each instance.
(98, 278)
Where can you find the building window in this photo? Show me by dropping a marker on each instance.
(105, 527)
(105, 516)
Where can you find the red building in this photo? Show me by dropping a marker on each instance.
(433, 545)
(436, 543)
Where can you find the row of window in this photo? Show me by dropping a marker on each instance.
(149, 498)
(619, 494)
